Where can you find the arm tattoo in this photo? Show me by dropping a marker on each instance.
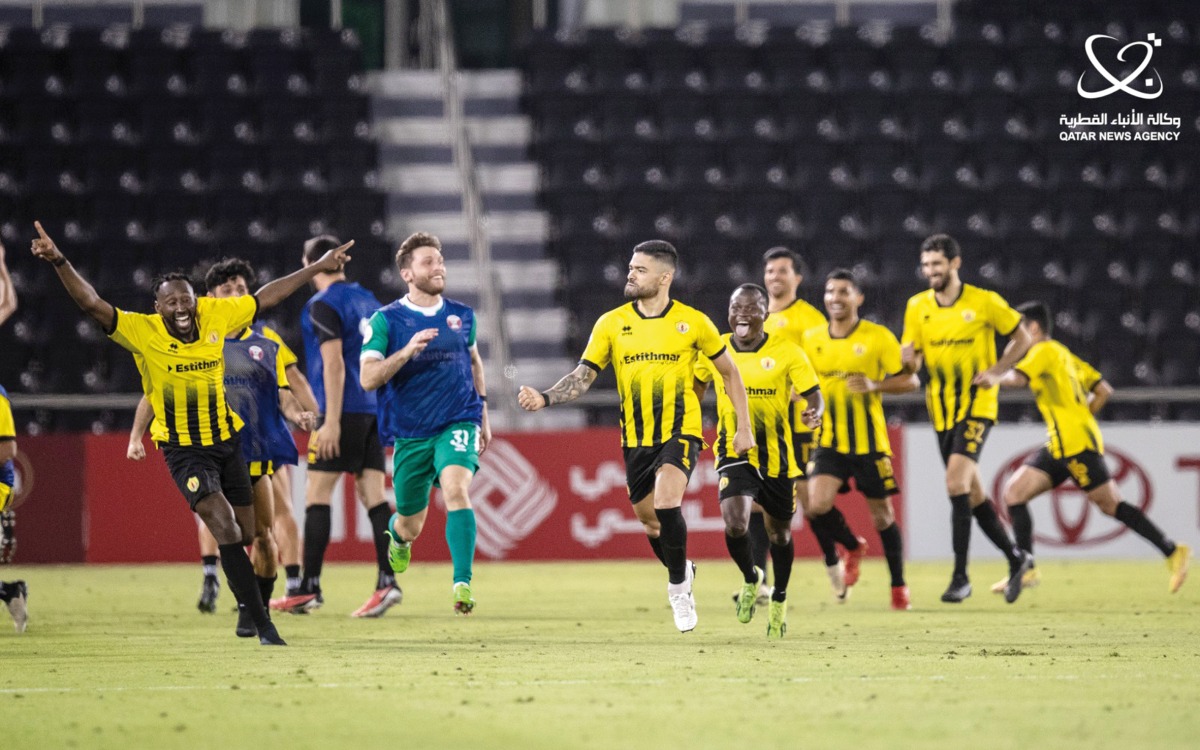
(572, 386)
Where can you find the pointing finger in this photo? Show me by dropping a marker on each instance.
(38, 226)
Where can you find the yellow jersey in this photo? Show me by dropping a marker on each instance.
(854, 423)
(790, 323)
(185, 383)
(654, 359)
(1060, 382)
(286, 357)
(958, 341)
(770, 372)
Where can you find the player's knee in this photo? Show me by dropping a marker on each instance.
(779, 537)
(882, 518)
(736, 527)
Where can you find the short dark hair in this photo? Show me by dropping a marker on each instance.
(226, 269)
(942, 243)
(843, 274)
(414, 241)
(762, 293)
(318, 246)
(661, 250)
(1037, 312)
(798, 264)
(170, 276)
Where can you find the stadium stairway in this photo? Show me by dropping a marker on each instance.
(424, 189)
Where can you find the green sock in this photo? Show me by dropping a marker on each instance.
(460, 536)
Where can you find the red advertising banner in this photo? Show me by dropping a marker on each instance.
(537, 496)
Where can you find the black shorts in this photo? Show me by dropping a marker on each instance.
(965, 438)
(1086, 469)
(776, 495)
(201, 470)
(872, 473)
(641, 464)
(360, 444)
(803, 444)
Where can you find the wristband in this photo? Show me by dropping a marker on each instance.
(483, 398)
(546, 396)
(57, 263)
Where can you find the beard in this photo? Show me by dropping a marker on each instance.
(633, 292)
(429, 286)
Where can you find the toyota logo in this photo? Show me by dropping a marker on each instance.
(1069, 506)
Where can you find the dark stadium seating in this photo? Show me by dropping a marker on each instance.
(851, 144)
(158, 148)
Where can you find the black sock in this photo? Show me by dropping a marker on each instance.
(893, 550)
(989, 521)
(1144, 527)
(379, 516)
(239, 574)
(740, 550)
(837, 528)
(759, 543)
(656, 545)
(782, 556)
(825, 542)
(209, 564)
(316, 539)
(1022, 524)
(960, 532)
(5, 596)
(266, 587)
(673, 538)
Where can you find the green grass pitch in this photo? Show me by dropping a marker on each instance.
(584, 655)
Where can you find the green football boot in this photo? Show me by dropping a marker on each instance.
(399, 553)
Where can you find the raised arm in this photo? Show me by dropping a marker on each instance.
(82, 292)
(282, 288)
(568, 389)
(743, 439)
(8, 293)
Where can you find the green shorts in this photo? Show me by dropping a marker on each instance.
(418, 462)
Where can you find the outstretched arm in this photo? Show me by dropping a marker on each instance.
(8, 293)
(568, 389)
(280, 289)
(82, 292)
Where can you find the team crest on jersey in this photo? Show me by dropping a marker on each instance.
(682, 327)
(454, 322)
(256, 353)
(213, 338)
(781, 323)
(767, 363)
(968, 315)
(193, 484)
(859, 349)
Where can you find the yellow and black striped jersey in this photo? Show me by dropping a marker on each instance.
(854, 422)
(958, 341)
(185, 382)
(790, 323)
(1060, 382)
(770, 372)
(654, 359)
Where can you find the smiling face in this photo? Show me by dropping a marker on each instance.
(175, 301)
(780, 277)
(747, 314)
(426, 271)
(938, 270)
(842, 299)
(647, 275)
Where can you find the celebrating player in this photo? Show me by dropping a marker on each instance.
(422, 357)
(179, 353)
(653, 343)
(12, 593)
(952, 326)
(775, 371)
(856, 361)
(1069, 394)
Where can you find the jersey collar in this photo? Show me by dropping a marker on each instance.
(961, 291)
(849, 333)
(663, 314)
(428, 312)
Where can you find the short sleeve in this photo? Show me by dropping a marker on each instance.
(801, 372)
(375, 345)
(708, 338)
(235, 313)
(912, 326)
(286, 355)
(8, 428)
(703, 370)
(474, 330)
(889, 352)
(131, 330)
(1033, 363)
(326, 322)
(280, 371)
(1003, 317)
(1089, 377)
(598, 352)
